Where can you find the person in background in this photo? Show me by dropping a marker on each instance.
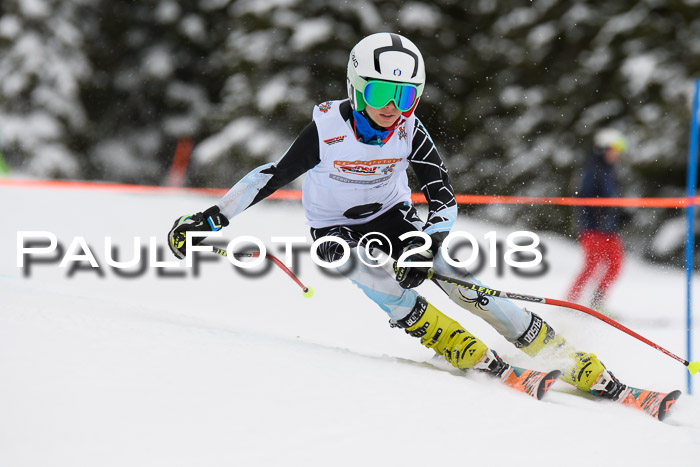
(599, 236)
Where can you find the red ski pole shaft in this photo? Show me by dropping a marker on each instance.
(307, 291)
(693, 367)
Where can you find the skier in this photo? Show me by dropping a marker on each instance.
(355, 153)
(599, 226)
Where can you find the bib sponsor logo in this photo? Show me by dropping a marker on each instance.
(402, 132)
(334, 140)
(373, 167)
(373, 181)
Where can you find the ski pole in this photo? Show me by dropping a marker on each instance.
(308, 292)
(693, 367)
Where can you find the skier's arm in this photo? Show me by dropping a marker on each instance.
(442, 206)
(435, 184)
(261, 182)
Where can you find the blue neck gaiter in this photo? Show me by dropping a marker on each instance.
(366, 133)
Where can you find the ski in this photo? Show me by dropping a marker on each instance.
(531, 382)
(656, 404)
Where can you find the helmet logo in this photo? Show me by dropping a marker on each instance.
(397, 72)
(354, 61)
(395, 46)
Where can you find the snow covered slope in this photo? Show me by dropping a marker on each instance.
(218, 369)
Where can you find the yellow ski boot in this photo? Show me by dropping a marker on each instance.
(444, 335)
(584, 370)
(541, 338)
(590, 375)
(463, 350)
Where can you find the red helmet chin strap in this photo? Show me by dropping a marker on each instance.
(409, 112)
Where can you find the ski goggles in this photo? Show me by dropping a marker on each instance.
(378, 94)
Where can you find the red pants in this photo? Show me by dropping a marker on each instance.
(602, 250)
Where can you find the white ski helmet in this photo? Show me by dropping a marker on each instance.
(384, 56)
(611, 138)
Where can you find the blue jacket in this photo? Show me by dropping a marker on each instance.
(599, 181)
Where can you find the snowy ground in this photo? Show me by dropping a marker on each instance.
(220, 369)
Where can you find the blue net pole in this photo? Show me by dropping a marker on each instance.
(690, 233)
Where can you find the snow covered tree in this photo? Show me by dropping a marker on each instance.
(157, 75)
(104, 89)
(42, 68)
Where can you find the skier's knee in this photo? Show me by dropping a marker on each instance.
(334, 249)
(330, 251)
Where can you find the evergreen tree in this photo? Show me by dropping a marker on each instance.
(104, 89)
(42, 69)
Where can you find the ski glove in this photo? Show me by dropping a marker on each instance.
(413, 276)
(210, 220)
